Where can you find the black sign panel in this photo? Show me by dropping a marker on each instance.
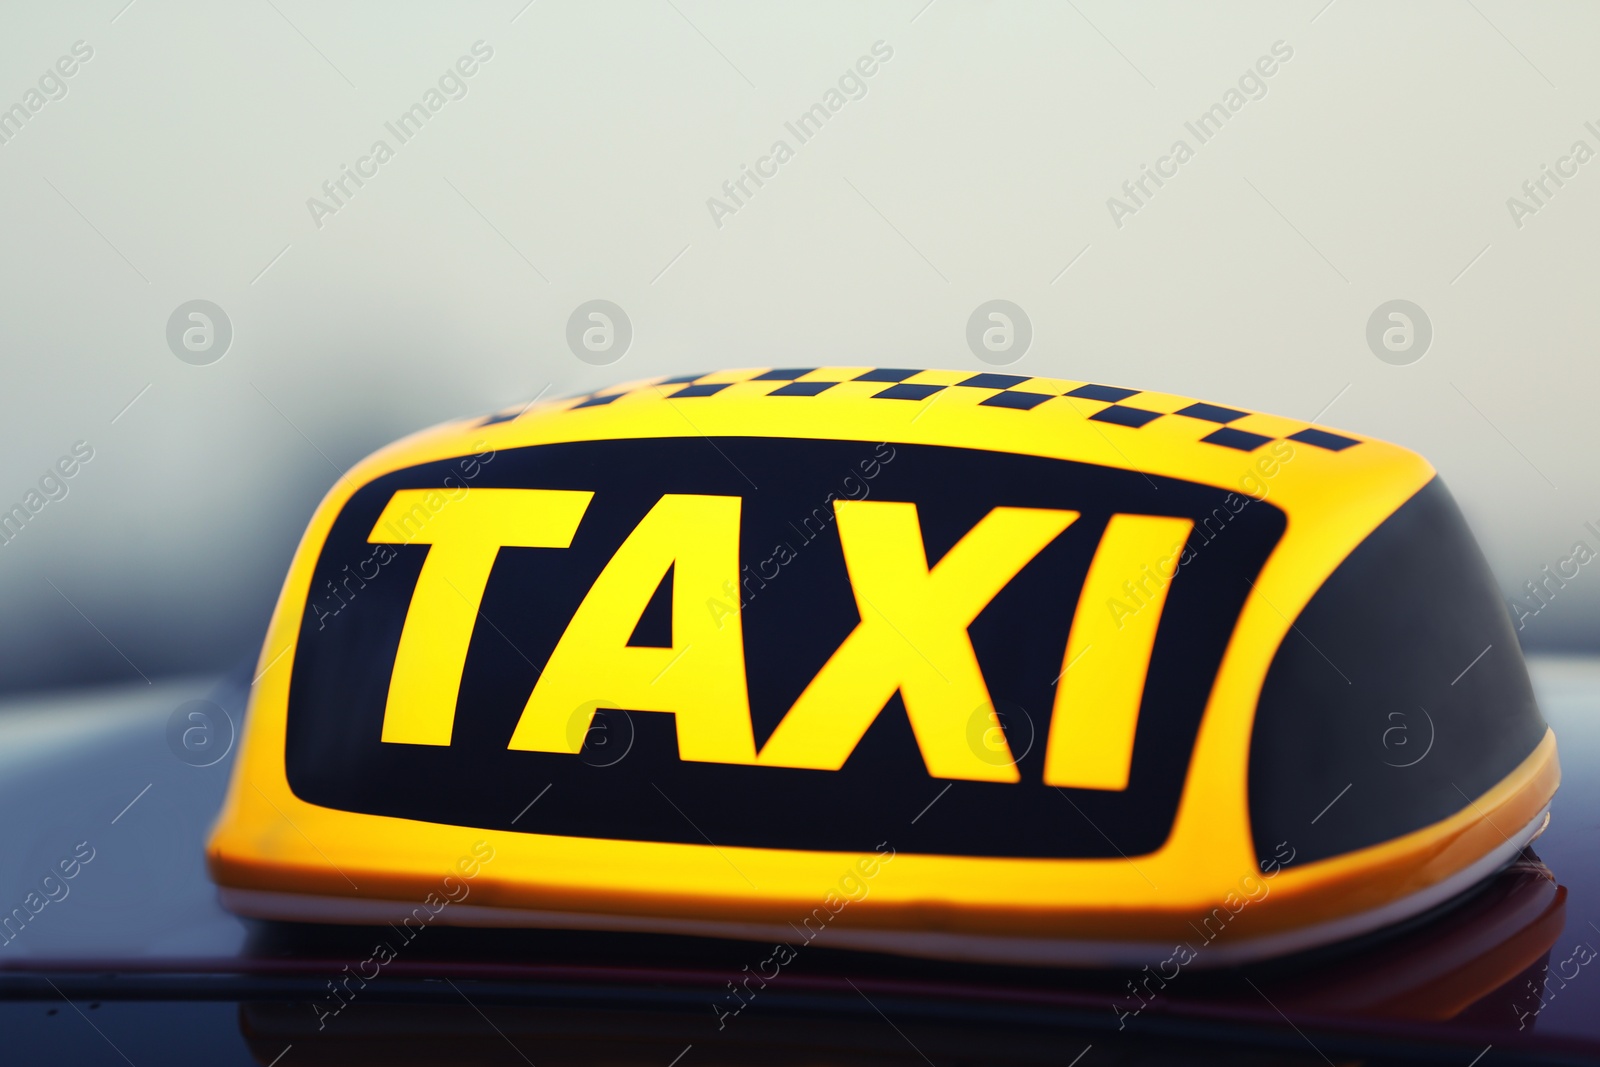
(628, 783)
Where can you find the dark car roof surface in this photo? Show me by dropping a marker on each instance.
(131, 959)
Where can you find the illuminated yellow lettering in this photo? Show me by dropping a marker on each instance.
(1108, 652)
(465, 535)
(700, 679)
(912, 637)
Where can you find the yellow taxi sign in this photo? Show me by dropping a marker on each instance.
(1079, 658)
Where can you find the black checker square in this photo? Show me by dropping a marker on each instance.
(1119, 415)
(1211, 413)
(802, 388)
(599, 401)
(1323, 439)
(1109, 393)
(907, 392)
(994, 381)
(699, 390)
(1242, 440)
(783, 375)
(1015, 400)
(885, 374)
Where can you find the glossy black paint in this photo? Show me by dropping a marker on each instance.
(1399, 697)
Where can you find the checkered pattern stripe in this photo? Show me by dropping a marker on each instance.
(1107, 405)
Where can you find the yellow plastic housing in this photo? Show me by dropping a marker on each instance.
(275, 855)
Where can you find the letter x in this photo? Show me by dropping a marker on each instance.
(912, 637)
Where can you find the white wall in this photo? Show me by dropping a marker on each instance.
(579, 163)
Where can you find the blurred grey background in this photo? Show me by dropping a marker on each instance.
(1377, 162)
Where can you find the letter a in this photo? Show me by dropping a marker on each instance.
(700, 679)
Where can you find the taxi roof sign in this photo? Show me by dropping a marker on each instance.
(1020, 669)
